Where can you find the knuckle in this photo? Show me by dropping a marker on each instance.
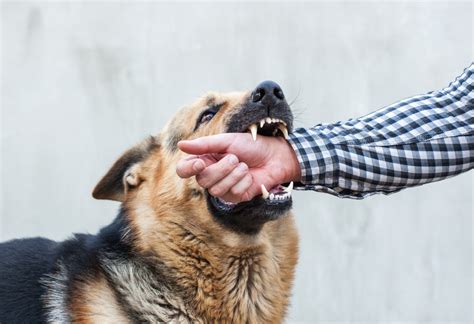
(201, 181)
(236, 191)
(227, 167)
(236, 176)
(246, 196)
(229, 163)
(240, 172)
(180, 169)
(215, 191)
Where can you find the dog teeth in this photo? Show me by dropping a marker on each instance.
(280, 196)
(253, 130)
(284, 130)
(265, 193)
(281, 125)
(289, 188)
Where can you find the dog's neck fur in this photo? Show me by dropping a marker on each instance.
(199, 280)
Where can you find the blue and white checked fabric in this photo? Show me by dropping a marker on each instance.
(418, 140)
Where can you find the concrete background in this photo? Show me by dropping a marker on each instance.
(81, 82)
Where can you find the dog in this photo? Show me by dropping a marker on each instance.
(174, 253)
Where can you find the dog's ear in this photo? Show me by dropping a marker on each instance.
(125, 172)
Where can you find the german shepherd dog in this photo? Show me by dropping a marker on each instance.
(174, 253)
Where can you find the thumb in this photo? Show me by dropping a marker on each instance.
(209, 144)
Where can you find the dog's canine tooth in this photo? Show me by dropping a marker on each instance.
(262, 122)
(253, 130)
(265, 193)
(284, 130)
(289, 188)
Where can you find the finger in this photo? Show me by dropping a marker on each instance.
(187, 168)
(208, 144)
(254, 190)
(211, 158)
(217, 171)
(223, 186)
(190, 157)
(238, 192)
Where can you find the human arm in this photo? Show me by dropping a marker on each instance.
(418, 140)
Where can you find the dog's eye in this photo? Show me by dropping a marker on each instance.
(208, 114)
(207, 117)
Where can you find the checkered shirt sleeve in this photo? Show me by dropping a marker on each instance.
(418, 140)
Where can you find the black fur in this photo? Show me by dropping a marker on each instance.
(251, 113)
(247, 217)
(25, 263)
(22, 263)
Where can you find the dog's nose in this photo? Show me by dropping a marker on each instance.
(268, 93)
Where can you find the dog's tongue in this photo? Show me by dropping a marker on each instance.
(276, 189)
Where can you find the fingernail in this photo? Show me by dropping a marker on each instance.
(233, 159)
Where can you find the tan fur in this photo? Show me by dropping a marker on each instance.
(228, 277)
(95, 302)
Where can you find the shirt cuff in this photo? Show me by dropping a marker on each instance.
(316, 156)
(320, 165)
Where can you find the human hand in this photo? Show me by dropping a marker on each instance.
(234, 167)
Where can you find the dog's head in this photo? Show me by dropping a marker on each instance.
(145, 178)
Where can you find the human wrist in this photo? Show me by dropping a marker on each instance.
(290, 164)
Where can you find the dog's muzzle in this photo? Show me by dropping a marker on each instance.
(264, 113)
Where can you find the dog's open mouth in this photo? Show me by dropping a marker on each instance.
(269, 127)
(278, 196)
(272, 127)
(265, 113)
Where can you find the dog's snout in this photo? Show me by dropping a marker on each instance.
(267, 92)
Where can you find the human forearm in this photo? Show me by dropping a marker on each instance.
(418, 140)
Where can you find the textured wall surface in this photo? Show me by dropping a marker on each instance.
(81, 82)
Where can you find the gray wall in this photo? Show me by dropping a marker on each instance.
(83, 81)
